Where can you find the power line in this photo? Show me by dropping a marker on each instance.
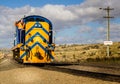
(108, 9)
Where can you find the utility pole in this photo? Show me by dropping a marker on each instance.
(108, 9)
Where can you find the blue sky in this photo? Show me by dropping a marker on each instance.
(78, 21)
(37, 3)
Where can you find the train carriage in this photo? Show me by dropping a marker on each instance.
(33, 43)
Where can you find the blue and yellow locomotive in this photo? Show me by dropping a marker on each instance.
(33, 43)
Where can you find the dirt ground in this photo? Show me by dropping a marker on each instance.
(33, 75)
(11, 73)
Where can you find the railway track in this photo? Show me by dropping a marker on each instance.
(8, 63)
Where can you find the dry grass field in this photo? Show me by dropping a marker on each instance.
(86, 52)
(1, 53)
(5, 51)
(80, 53)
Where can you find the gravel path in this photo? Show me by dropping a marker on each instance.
(11, 73)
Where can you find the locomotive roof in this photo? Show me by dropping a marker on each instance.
(37, 18)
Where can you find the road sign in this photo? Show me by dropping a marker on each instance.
(108, 42)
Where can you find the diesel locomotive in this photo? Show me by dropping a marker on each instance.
(33, 40)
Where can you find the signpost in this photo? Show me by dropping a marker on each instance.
(108, 43)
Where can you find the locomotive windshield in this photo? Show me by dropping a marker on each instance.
(35, 19)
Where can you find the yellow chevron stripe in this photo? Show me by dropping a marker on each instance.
(31, 33)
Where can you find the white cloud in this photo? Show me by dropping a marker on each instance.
(58, 12)
(61, 16)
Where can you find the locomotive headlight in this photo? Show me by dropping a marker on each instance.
(40, 25)
(35, 25)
